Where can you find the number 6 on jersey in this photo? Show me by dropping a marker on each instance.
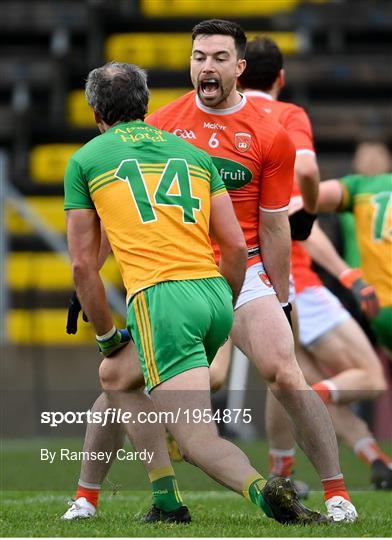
(176, 171)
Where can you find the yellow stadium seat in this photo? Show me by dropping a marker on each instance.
(47, 327)
(49, 271)
(48, 161)
(79, 112)
(50, 209)
(172, 51)
(218, 8)
(288, 42)
(162, 96)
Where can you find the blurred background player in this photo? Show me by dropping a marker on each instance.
(368, 198)
(128, 189)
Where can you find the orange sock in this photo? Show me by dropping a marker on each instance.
(90, 493)
(335, 487)
(281, 462)
(368, 450)
(326, 390)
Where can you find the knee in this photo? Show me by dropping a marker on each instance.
(290, 377)
(377, 381)
(287, 373)
(110, 376)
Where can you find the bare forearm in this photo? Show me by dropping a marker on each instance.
(330, 196)
(276, 250)
(310, 192)
(92, 296)
(308, 178)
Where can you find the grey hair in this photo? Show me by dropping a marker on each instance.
(118, 92)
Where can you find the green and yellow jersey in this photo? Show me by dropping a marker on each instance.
(152, 192)
(370, 200)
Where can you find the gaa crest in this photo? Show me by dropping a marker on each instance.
(242, 141)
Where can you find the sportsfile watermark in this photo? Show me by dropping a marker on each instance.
(113, 415)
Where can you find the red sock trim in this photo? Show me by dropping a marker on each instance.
(323, 391)
(281, 465)
(372, 452)
(92, 495)
(335, 488)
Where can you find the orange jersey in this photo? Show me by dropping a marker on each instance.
(293, 118)
(252, 152)
(297, 124)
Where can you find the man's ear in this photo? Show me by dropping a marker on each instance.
(282, 78)
(241, 65)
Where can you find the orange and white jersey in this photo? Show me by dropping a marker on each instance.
(292, 117)
(252, 152)
(297, 124)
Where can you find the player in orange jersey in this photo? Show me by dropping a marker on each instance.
(254, 156)
(333, 340)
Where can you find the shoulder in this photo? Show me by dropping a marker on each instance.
(264, 125)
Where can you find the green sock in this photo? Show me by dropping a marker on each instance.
(253, 491)
(165, 492)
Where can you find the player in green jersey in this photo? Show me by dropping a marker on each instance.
(159, 200)
(369, 198)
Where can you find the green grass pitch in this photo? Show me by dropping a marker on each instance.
(34, 496)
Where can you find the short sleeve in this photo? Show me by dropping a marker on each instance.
(299, 128)
(76, 192)
(278, 174)
(349, 184)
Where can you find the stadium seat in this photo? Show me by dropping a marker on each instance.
(79, 113)
(50, 209)
(47, 327)
(218, 8)
(49, 271)
(162, 96)
(170, 51)
(48, 161)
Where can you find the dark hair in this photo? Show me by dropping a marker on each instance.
(264, 61)
(211, 27)
(118, 92)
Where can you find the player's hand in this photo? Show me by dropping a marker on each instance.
(116, 341)
(287, 308)
(301, 223)
(364, 293)
(73, 313)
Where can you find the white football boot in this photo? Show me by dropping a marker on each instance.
(341, 510)
(80, 509)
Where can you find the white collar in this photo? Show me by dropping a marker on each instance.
(258, 93)
(221, 112)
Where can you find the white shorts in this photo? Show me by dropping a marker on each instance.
(318, 312)
(256, 284)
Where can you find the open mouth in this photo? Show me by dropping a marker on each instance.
(209, 87)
